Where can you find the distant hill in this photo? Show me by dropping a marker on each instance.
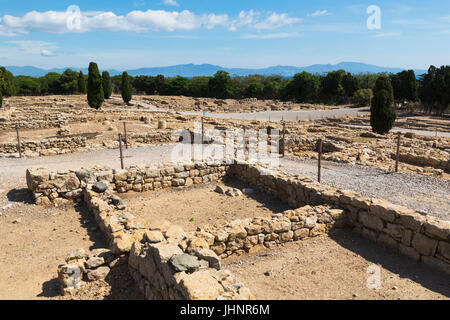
(192, 70)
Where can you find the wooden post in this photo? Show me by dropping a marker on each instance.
(319, 171)
(120, 148)
(125, 134)
(19, 147)
(398, 152)
(284, 139)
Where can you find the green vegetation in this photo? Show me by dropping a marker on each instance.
(362, 97)
(431, 91)
(81, 83)
(434, 91)
(126, 88)
(107, 84)
(382, 117)
(95, 88)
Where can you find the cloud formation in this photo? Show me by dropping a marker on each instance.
(75, 21)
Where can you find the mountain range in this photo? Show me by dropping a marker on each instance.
(192, 70)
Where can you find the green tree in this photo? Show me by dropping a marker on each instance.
(304, 87)
(177, 86)
(332, 85)
(7, 82)
(1, 98)
(382, 116)
(220, 86)
(362, 97)
(81, 83)
(68, 82)
(50, 83)
(126, 88)
(198, 87)
(107, 84)
(27, 86)
(350, 84)
(95, 88)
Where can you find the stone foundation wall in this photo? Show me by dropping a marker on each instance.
(166, 262)
(66, 144)
(65, 186)
(252, 234)
(423, 161)
(422, 238)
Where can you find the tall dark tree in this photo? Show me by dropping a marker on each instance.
(81, 83)
(107, 84)
(7, 82)
(95, 88)
(127, 90)
(1, 98)
(382, 116)
(350, 85)
(221, 86)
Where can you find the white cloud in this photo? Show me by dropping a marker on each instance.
(253, 19)
(319, 13)
(387, 34)
(170, 3)
(47, 53)
(61, 22)
(281, 35)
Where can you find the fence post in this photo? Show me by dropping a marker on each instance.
(120, 148)
(398, 152)
(125, 133)
(245, 144)
(19, 147)
(319, 171)
(284, 139)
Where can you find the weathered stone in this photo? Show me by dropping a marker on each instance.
(411, 220)
(175, 233)
(301, 234)
(437, 228)
(97, 274)
(94, 262)
(424, 245)
(184, 262)
(387, 241)
(207, 255)
(444, 249)
(409, 252)
(153, 236)
(318, 230)
(370, 221)
(201, 285)
(436, 264)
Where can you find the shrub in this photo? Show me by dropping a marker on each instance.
(95, 88)
(126, 88)
(382, 117)
(362, 97)
(107, 84)
(81, 83)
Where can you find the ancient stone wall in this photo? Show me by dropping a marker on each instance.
(64, 144)
(422, 238)
(64, 186)
(166, 262)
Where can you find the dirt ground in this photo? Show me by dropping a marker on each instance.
(335, 267)
(197, 206)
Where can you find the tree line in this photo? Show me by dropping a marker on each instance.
(336, 87)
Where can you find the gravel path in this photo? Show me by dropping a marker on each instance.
(271, 115)
(419, 192)
(410, 190)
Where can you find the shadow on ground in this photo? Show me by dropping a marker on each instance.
(272, 203)
(20, 195)
(406, 268)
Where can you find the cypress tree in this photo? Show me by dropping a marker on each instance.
(81, 83)
(382, 117)
(126, 88)
(95, 89)
(107, 84)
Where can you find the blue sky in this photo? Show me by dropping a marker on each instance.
(246, 33)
